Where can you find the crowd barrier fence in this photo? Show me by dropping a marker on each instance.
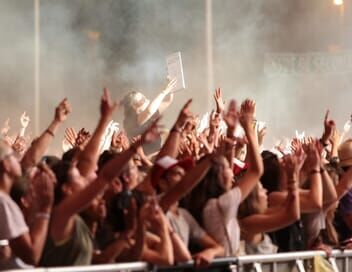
(341, 261)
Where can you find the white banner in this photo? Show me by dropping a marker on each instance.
(308, 63)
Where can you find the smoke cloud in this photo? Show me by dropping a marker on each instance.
(89, 44)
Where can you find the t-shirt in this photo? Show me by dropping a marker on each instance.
(265, 246)
(78, 250)
(185, 225)
(12, 224)
(313, 223)
(345, 204)
(215, 220)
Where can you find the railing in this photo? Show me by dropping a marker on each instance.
(293, 261)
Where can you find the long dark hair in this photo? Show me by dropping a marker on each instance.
(208, 188)
(271, 176)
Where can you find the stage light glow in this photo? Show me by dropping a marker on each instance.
(338, 2)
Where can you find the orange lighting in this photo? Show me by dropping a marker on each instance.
(338, 2)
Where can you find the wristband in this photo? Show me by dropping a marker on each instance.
(42, 215)
(324, 144)
(50, 132)
(314, 171)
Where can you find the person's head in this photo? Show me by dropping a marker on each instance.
(218, 180)
(69, 180)
(255, 203)
(345, 154)
(130, 175)
(50, 160)
(223, 173)
(71, 154)
(20, 193)
(96, 211)
(9, 164)
(136, 101)
(271, 176)
(171, 177)
(169, 171)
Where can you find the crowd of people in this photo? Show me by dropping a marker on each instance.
(200, 193)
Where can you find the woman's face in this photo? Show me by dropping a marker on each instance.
(131, 175)
(97, 209)
(174, 176)
(262, 198)
(225, 175)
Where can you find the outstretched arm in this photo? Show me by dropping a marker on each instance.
(40, 145)
(255, 162)
(89, 157)
(155, 105)
(172, 143)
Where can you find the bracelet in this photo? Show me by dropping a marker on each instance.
(315, 171)
(42, 215)
(177, 130)
(324, 144)
(50, 132)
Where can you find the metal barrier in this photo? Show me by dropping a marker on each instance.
(292, 261)
(136, 266)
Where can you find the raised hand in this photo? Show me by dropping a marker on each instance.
(119, 141)
(43, 188)
(313, 160)
(231, 116)
(220, 105)
(6, 127)
(184, 116)
(335, 137)
(215, 119)
(293, 164)
(70, 136)
(247, 114)
(107, 106)
(170, 86)
(261, 135)
(62, 111)
(24, 120)
(296, 146)
(329, 126)
(19, 145)
(83, 137)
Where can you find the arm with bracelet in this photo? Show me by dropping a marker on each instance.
(40, 145)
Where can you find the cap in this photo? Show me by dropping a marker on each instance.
(345, 153)
(166, 163)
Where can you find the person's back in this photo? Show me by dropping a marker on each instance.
(77, 250)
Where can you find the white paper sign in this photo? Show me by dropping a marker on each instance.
(175, 70)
